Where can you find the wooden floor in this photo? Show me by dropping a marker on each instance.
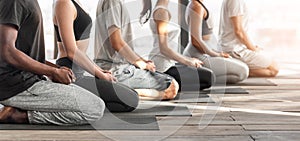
(268, 113)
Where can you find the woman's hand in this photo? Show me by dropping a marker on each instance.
(194, 62)
(109, 77)
(106, 75)
(224, 55)
(150, 66)
(145, 65)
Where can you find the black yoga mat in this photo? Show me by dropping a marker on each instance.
(192, 98)
(222, 90)
(137, 122)
(161, 110)
(255, 82)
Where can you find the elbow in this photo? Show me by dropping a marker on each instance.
(239, 34)
(198, 45)
(164, 51)
(4, 54)
(194, 42)
(71, 54)
(118, 45)
(7, 54)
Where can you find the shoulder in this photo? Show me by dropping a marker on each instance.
(64, 5)
(234, 2)
(10, 4)
(195, 6)
(161, 14)
(112, 3)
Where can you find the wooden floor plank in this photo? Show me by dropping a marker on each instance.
(211, 138)
(289, 127)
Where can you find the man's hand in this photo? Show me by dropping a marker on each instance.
(63, 75)
(258, 49)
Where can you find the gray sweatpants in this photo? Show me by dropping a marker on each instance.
(52, 103)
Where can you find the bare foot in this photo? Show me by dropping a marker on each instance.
(13, 115)
(172, 91)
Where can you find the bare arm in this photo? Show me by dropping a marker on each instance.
(123, 48)
(10, 54)
(240, 32)
(196, 15)
(65, 14)
(161, 19)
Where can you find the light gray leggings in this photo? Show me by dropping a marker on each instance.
(52, 103)
(227, 70)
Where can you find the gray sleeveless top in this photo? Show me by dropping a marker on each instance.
(205, 28)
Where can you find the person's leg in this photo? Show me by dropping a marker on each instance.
(140, 80)
(260, 65)
(237, 71)
(52, 103)
(270, 71)
(117, 97)
(227, 70)
(186, 77)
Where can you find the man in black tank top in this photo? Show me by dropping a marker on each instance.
(27, 97)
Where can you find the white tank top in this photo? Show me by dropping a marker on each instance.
(162, 62)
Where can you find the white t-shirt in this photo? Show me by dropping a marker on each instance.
(227, 38)
(111, 13)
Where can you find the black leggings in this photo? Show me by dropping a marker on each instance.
(117, 97)
(192, 79)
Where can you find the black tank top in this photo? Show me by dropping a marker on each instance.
(205, 29)
(81, 25)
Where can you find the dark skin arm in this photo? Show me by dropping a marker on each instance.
(14, 57)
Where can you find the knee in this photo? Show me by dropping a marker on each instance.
(95, 110)
(241, 72)
(126, 99)
(244, 73)
(133, 102)
(127, 104)
(211, 77)
(208, 77)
